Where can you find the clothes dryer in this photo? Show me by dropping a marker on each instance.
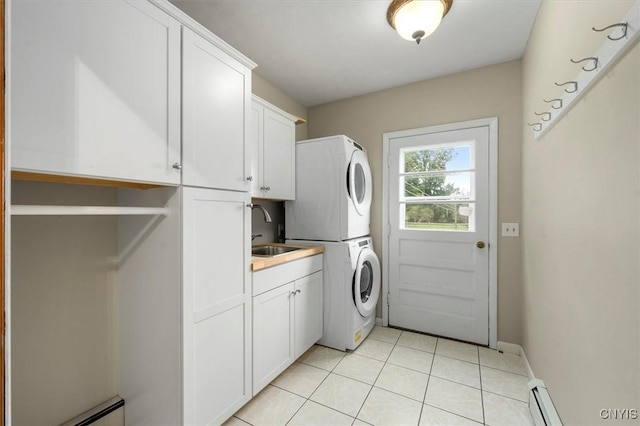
(351, 291)
(333, 191)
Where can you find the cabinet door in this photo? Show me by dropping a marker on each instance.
(279, 156)
(308, 312)
(255, 149)
(216, 107)
(95, 89)
(272, 335)
(216, 304)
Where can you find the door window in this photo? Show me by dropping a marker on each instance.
(366, 282)
(359, 183)
(437, 187)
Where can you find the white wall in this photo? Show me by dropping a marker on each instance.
(581, 186)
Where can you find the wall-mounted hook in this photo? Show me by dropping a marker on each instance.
(543, 114)
(536, 126)
(575, 86)
(591, 58)
(554, 100)
(623, 25)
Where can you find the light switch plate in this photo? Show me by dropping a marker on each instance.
(510, 229)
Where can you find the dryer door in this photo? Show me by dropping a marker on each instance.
(366, 282)
(359, 182)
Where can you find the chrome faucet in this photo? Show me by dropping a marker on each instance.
(254, 236)
(267, 216)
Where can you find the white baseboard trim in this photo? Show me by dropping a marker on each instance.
(510, 348)
(527, 366)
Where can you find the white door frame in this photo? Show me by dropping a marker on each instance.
(492, 123)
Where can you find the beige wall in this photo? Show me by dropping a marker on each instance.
(580, 219)
(275, 96)
(485, 92)
(63, 327)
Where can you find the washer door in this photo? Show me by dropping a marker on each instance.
(366, 282)
(359, 182)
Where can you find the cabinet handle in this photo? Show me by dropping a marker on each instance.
(268, 188)
(293, 293)
(298, 291)
(177, 166)
(249, 178)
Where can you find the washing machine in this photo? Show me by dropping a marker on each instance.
(333, 191)
(351, 291)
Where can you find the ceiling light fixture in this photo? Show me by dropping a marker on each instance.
(417, 19)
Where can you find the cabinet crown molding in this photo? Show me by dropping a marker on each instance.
(203, 31)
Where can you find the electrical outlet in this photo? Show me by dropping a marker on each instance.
(510, 229)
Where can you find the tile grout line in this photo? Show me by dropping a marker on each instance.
(307, 399)
(374, 382)
(386, 363)
(424, 398)
(484, 417)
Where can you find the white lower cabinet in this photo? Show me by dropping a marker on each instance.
(273, 334)
(216, 305)
(287, 316)
(308, 312)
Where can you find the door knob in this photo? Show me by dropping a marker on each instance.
(480, 244)
(177, 166)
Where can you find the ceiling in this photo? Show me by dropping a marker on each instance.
(318, 51)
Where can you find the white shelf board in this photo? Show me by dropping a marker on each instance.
(41, 210)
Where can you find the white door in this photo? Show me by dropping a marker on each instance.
(216, 304)
(216, 96)
(438, 247)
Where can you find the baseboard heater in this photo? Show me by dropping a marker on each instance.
(540, 405)
(110, 412)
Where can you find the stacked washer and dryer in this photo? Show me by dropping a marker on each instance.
(332, 209)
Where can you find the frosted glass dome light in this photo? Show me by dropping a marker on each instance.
(417, 19)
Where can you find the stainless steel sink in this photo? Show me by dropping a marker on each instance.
(271, 251)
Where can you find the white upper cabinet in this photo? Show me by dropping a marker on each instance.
(95, 89)
(272, 152)
(216, 99)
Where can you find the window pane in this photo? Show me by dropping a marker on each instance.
(443, 217)
(440, 185)
(437, 159)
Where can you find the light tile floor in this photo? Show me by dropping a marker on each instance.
(395, 377)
